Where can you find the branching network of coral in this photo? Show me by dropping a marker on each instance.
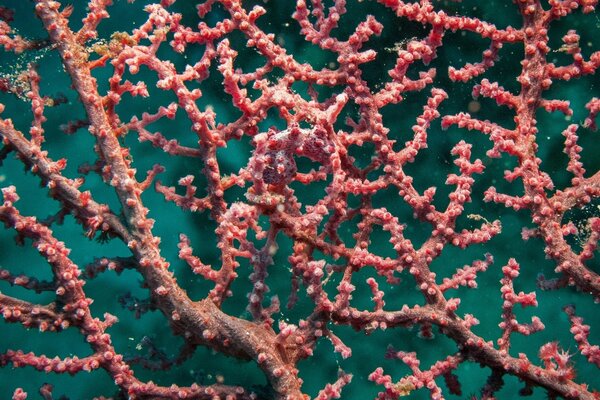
(296, 227)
